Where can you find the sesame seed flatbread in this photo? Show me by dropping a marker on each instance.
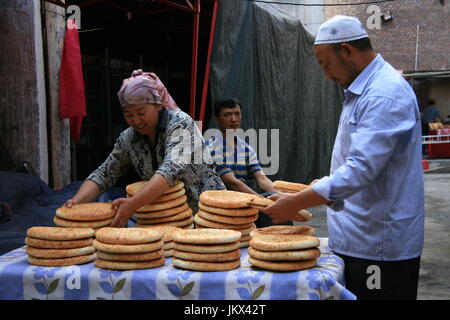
(162, 213)
(294, 255)
(91, 211)
(227, 219)
(63, 261)
(57, 233)
(120, 265)
(205, 266)
(282, 229)
(282, 266)
(127, 235)
(163, 205)
(282, 242)
(243, 212)
(206, 236)
(58, 244)
(58, 253)
(206, 248)
(217, 225)
(128, 248)
(60, 222)
(133, 188)
(226, 199)
(207, 257)
(124, 257)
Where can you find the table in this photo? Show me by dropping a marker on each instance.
(21, 281)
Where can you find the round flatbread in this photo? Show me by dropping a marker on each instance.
(127, 235)
(169, 245)
(207, 257)
(60, 222)
(162, 213)
(282, 266)
(163, 205)
(244, 244)
(128, 248)
(180, 223)
(58, 244)
(205, 266)
(170, 196)
(243, 231)
(91, 211)
(179, 216)
(217, 225)
(58, 253)
(206, 248)
(168, 253)
(133, 188)
(227, 219)
(226, 199)
(244, 212)
(206, 236)
(290, 186)
(297, 255)
(282, 229)
(245, 238)
(135, 265)
(283, 242)
(57, 233)
(62, 262)
(127, 257)
(166, 230)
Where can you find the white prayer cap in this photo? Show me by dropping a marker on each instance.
(340, 29)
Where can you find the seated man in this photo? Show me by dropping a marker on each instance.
(236, 161)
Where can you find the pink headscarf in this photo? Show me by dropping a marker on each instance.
(145, 87)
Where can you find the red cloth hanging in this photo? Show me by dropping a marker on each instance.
(72, 103)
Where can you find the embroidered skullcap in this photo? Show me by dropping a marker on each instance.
(340, 29)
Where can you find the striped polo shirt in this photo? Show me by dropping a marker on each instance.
(241, 160)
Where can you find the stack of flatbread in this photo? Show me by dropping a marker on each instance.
(288, 250)
(289, 187)
(128, 248)
(93, 215)
(206, 249)
(56, 247)
(168, 243)
(225, 209)
(283, 229)
(170, 209)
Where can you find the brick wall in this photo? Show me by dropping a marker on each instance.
(396, 39)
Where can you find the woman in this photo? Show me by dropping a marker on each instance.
(155, 144)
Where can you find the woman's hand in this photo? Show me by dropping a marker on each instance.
(69, 203)
(284, 208)
(124, 212)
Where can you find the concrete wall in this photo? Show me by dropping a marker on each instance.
(23, 125)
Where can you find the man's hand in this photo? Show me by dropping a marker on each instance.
(284, 208)
(124, 212)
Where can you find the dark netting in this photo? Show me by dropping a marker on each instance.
(264, 58)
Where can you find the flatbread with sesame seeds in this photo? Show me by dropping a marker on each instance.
(227, 219)
(207, 257)
(59, 253)
(57, 233)
(205, 266)
(142, 256)
(282, 229)
(127, 235)
(242, 212)
(58, 244)
(206, 236)
(282, 265)
(282, 242)
(163, 205)
(60, 222)
(62, 262)
(91, 211)
(128, 248)
(129, 265)
(133, 188)
(290, 255)
(162, 213)
(227, 199)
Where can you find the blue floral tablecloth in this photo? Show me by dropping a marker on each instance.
(19, 280)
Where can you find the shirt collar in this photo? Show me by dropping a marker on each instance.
(358, 85)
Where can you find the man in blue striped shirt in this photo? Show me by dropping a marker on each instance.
(236, 161)
(375, 192)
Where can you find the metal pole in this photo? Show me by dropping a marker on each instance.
(208, 61)
(195, 30)
(417, 46)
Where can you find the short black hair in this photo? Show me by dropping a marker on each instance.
(226, 103)
(363, 44)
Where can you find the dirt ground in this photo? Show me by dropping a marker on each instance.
(434, 276)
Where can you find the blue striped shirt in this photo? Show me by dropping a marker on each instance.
(240, 160)
(376, 177)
